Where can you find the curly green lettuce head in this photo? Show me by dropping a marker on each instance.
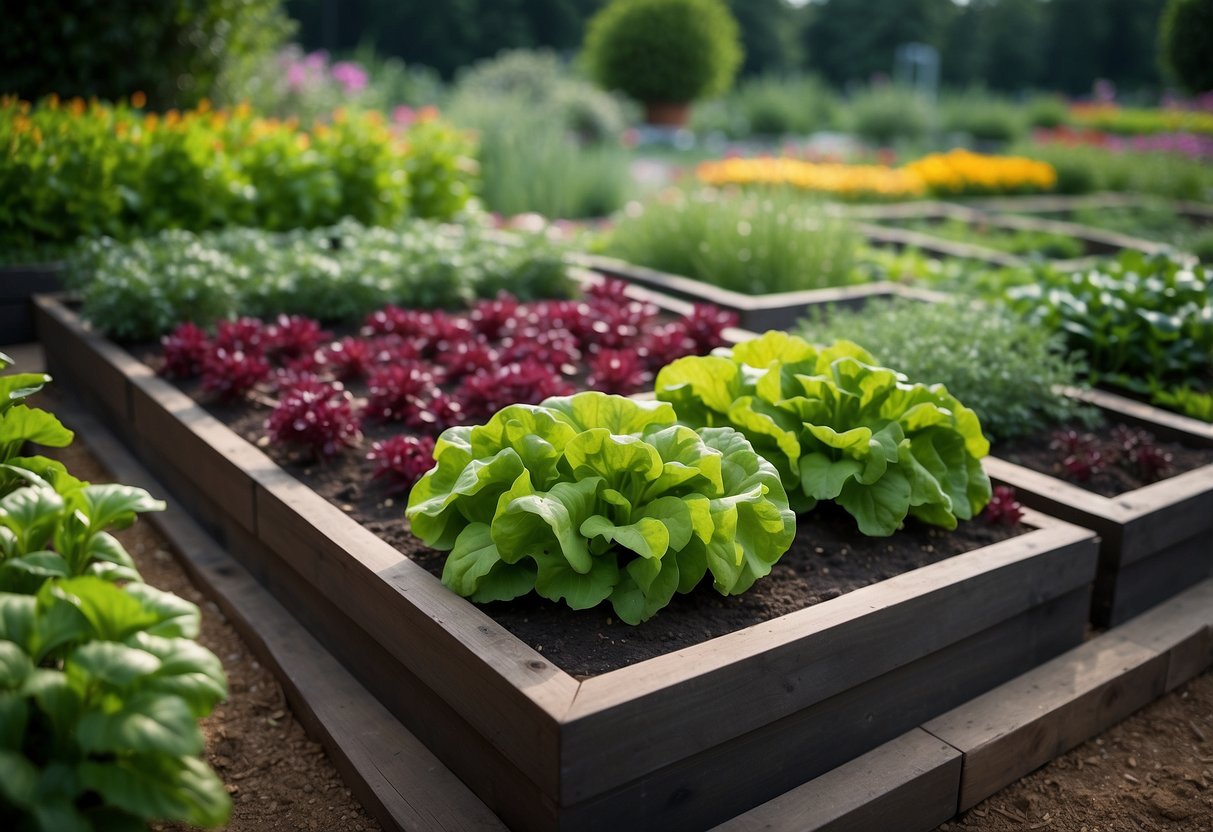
(838, 427)
(593, 498)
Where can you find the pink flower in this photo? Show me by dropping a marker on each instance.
(404, 115)
(349, 75)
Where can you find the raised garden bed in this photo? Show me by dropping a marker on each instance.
(1006, 234)
(18, 285)
(779, 310)
(679, 741)
(1156, 540)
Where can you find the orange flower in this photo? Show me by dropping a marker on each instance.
(427, 113)
(138, 100)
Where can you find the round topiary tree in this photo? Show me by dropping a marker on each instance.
(1185, 43)
(664, 53)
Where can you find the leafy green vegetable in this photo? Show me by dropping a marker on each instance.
(591, 498)
(97, 715)
(101, 683)
(838, 427)
(1141, 322)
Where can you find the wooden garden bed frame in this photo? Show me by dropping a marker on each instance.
(1155, 541)
(680, 741)
(1098, 242)
(1199, 211)
(18, 285)
(757, 313)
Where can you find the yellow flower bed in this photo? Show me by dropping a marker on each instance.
(965, 172)
(847, 181)
(952, 173)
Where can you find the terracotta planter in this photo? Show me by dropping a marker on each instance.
(667, 114)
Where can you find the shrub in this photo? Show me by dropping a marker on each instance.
(753, 243)
(593, 498)
(664, 50)
(1086, 169)
(1047, 112)
(74, 169)
(1185, 42)
(1009, 376)
(176, 52)
(886, 114)
(837, 426)
(985, 117)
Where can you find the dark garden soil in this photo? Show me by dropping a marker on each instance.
(828, 558)
(1117, 475)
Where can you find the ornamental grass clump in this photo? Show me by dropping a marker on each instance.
(839, 427)
(594, 498)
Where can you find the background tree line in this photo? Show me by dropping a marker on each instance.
(1005, 45)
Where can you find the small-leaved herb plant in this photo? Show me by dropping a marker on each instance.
(837, 426)
(1009, 371)
(593, 498)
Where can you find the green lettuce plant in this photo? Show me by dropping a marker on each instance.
(591, 498)
(20, 423)
(838, 427)
(101, 687)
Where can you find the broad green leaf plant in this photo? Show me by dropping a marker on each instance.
(101, 681)
(839, 427)
(593, 498)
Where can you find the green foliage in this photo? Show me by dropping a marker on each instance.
(1153, 221)
(177, 52)
(537, 167)
(1046, 244)
(100, 693)
(101, 682)
(1047, 112)
(664, 50)
(1140, 321)
(985, 117)
(143, 289)
(1009, 375)
(548, 143)
(591, 498)
(1086, 169)
(1185, 42)
(748, 242)
(839, 427)
(85, 170)
(769, 106)
(535, 87)
(885, 114)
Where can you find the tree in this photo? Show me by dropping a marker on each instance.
(854, 39)
(1186, 43)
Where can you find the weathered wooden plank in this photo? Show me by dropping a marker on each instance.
(1023, 724)
(1056, 497)
(392, 772)
(84, 360)
(783, 666)
(21, 283)
(175, 431)
(16, 322)
(497, 683)
(909, 784)
(1165, 424)
(904, 238)
(370, 656)
(1182, 628)
(1145, 582)
(716, 784)
(1166, 513)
